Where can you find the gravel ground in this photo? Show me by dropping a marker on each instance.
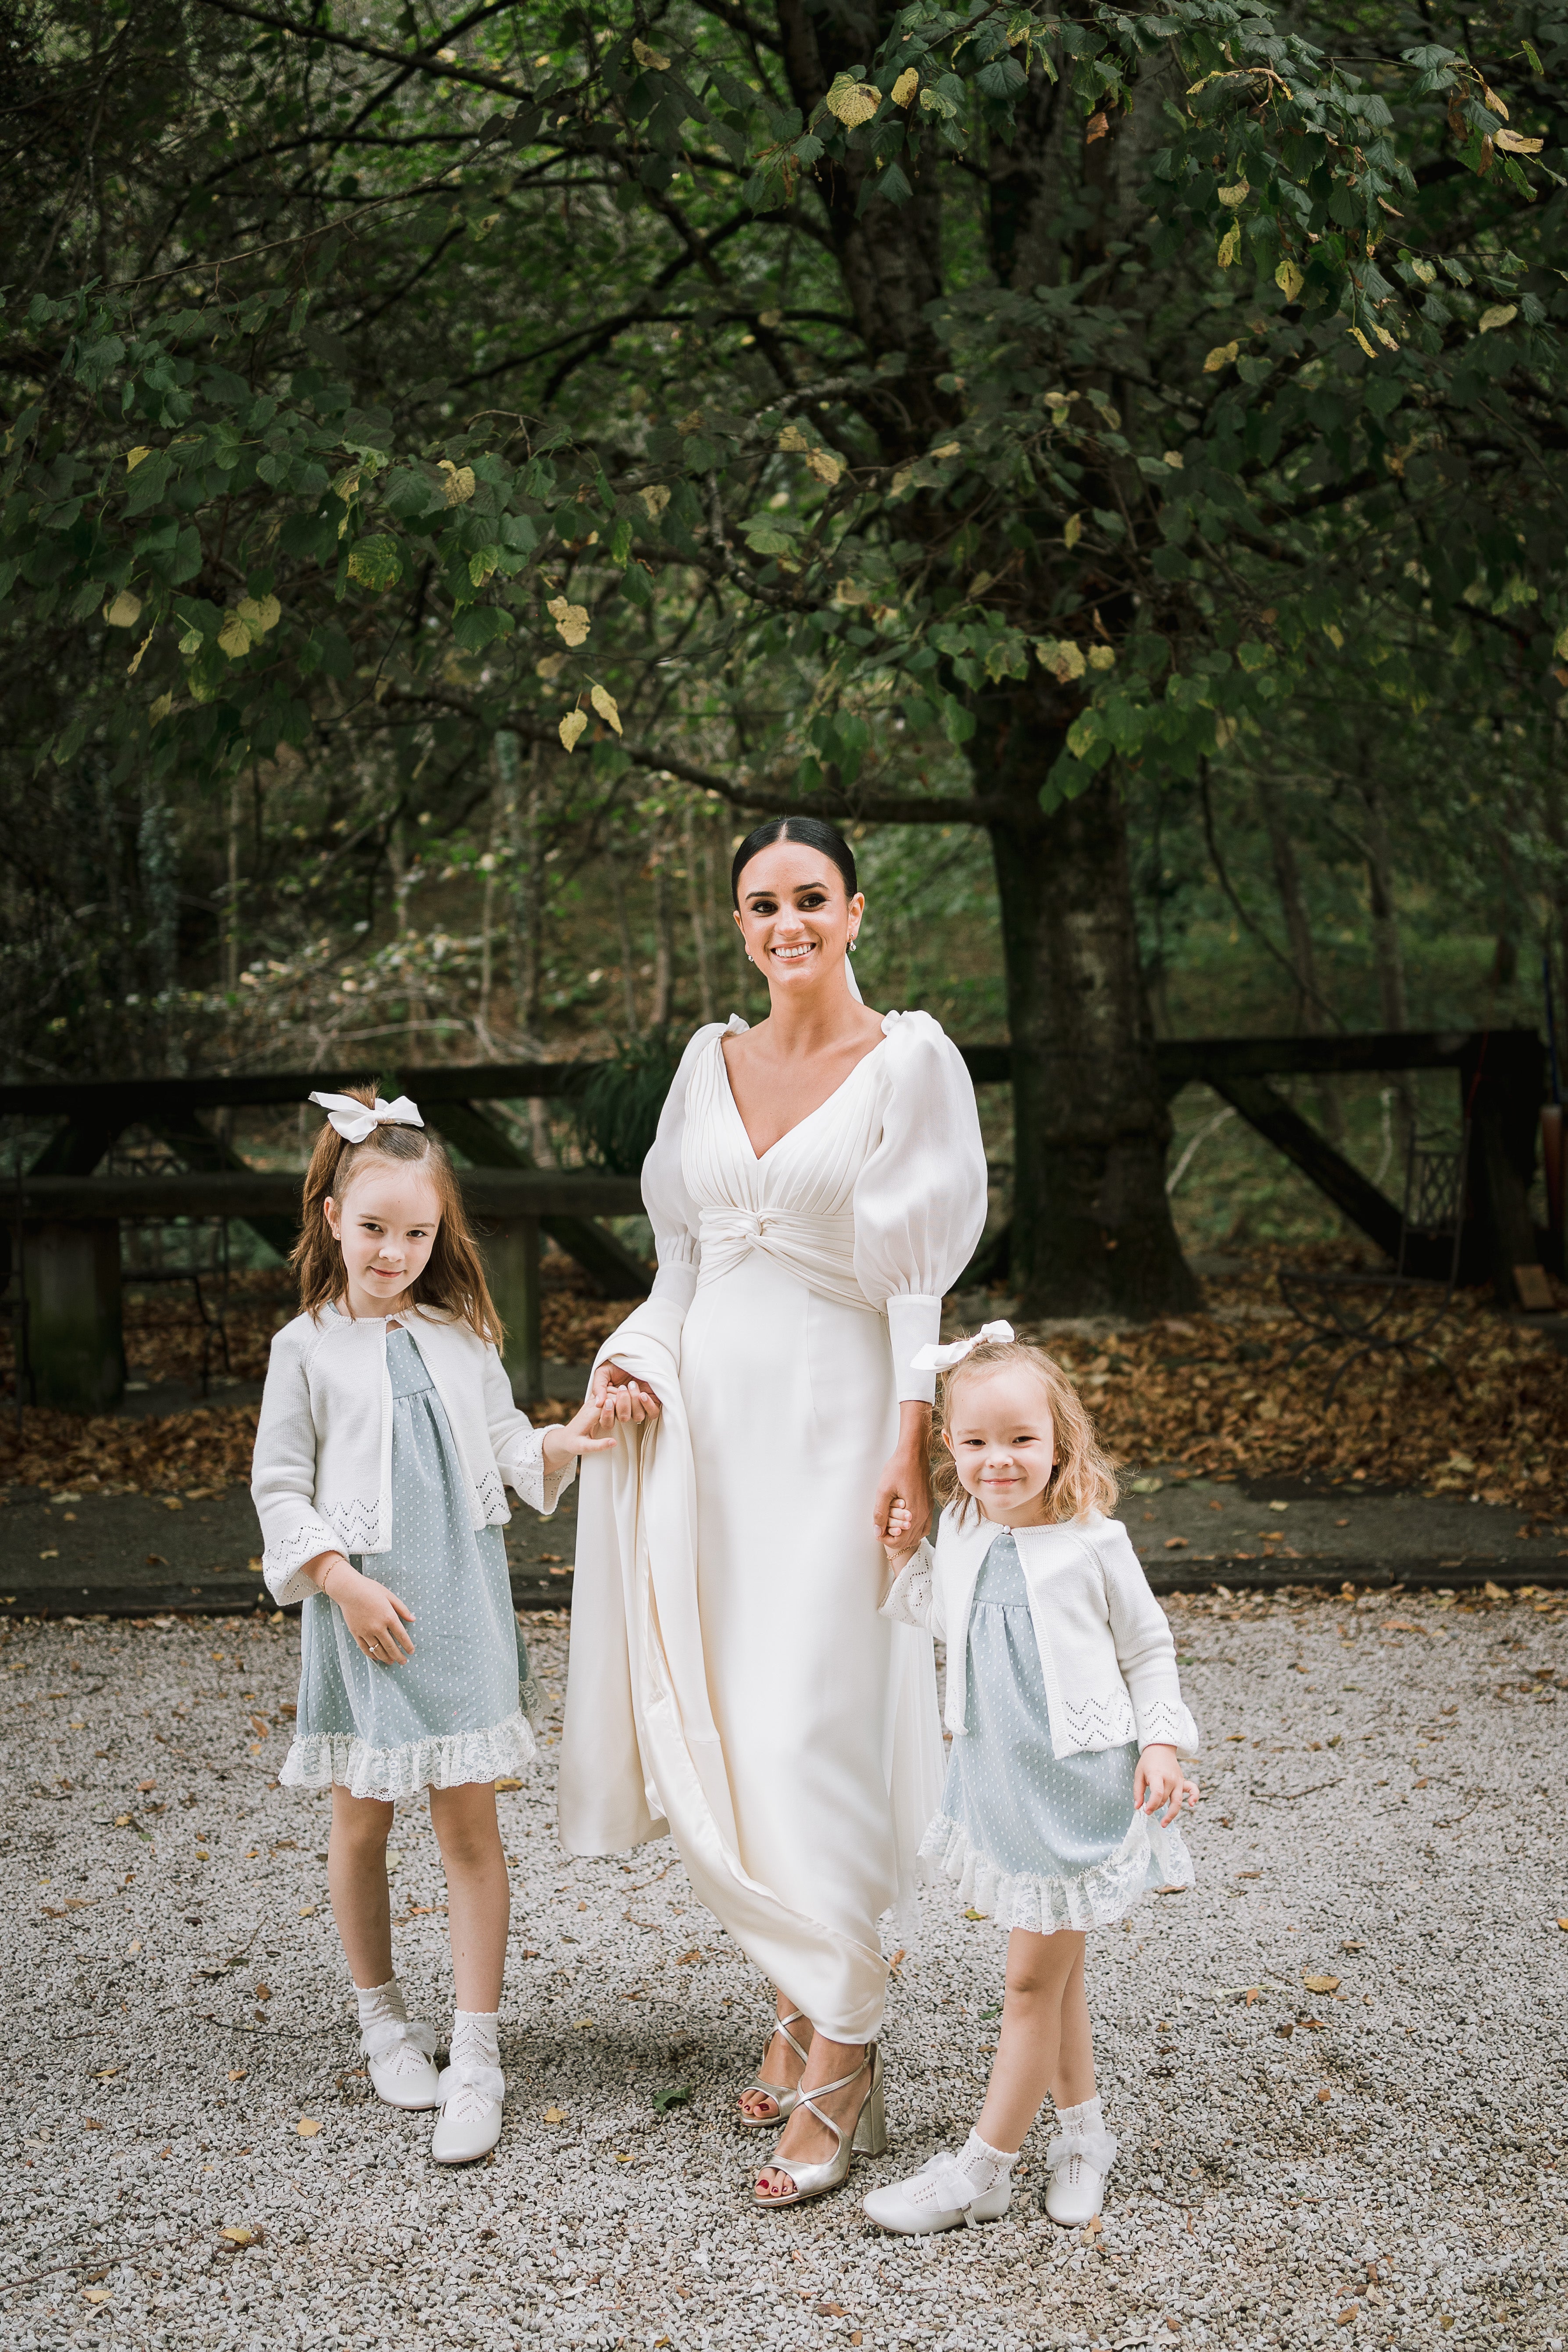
(1380, 2157)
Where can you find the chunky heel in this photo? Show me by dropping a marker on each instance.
(872, 2131)
(868, 2137)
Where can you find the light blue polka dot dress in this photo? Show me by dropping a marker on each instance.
(1033, 1839)
(457, 1710)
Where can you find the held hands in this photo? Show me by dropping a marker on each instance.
(613, 1398)
(375, 1616)
(1161, 1782)
(900, 1540)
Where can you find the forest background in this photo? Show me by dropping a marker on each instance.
(463, 468)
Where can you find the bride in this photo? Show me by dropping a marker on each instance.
(816, 1183)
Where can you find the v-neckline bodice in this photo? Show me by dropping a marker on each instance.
(735, 1026)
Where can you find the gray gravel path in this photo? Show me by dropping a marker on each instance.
(1384, 2161)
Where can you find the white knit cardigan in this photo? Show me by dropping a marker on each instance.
(321, 1474)
(1106, 1651)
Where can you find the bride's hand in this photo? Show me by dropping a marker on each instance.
(906, 1481)
(619, 1396)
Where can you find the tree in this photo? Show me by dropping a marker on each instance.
(816, 386)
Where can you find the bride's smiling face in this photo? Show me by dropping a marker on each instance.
(794, 916)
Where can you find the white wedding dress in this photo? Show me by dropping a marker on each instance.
(730, 1679)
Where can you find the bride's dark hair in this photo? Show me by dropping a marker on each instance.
(811, 833)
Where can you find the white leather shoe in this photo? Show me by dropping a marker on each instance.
(1079, 2163)
(401, 2072)
(468, 2124)
(937, 2197)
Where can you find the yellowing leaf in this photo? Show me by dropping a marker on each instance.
(1288, 279)
(572, 725)
(133, 457)
(347, 484)
(1501, 314)
(1099, 127)
(1221, 356)
(948, 449)
(1072, 530)
(483, 563)
(1561, 646)
(554, 2115)
(1235, 195)
(655, 498)
(549, 666)
(1175, 459)
(307, 2127)
(792, 438)
(904, 89)
(123, 611)
(1061, 658)
(605, 704)
(901, 481)
(572, 620)
(1513, 144)
(234, 637)
(655, 59)
(1336, 637)
(1494, 105)
(824, 465)
(1356, 333)
(259, 613)
(160, 710)
(1321, 1984)
(459, 482)
(852, 101)
(134, 664)
(1229, 246)
(1102, 657)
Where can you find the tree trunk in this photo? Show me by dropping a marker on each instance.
(1091, 1224)
(1387, 956)
(696, 894)
(663, 936)
(1310, 1008)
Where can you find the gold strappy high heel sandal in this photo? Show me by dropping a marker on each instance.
(869, 2138)
(783, 2100)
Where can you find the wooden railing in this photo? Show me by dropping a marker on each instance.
(66, 1218)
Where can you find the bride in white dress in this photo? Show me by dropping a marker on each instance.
(816, 1185)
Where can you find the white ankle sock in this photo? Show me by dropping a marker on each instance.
(983, 2167)
(379, 2002)
(475, 2037)
(1079, 2121)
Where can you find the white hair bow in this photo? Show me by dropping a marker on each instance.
(932, 1359)
(353, 1121)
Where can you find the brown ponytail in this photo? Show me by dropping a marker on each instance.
(454, 1277)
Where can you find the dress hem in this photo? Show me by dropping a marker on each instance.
(1150, 1857)
(326, 1759)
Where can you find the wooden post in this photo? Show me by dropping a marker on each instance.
(511, 1252)
(75, 1336)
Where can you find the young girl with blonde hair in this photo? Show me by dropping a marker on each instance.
(1064, 1785)
(386, 1438)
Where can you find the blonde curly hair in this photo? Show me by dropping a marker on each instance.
(1083, 1475)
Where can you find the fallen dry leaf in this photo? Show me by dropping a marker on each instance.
(554, 2115)
(1321, 1984)
(308, 2127)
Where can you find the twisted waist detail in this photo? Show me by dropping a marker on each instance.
(818, 1250)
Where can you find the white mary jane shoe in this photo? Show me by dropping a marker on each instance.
(1079, 2163)
(401, 2072)
(937, 2197)
(468, 2124)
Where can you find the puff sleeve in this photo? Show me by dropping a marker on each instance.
(919, 1200)
(671, 1211)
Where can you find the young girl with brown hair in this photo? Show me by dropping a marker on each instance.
(1064, 1785)
(387, 1435)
